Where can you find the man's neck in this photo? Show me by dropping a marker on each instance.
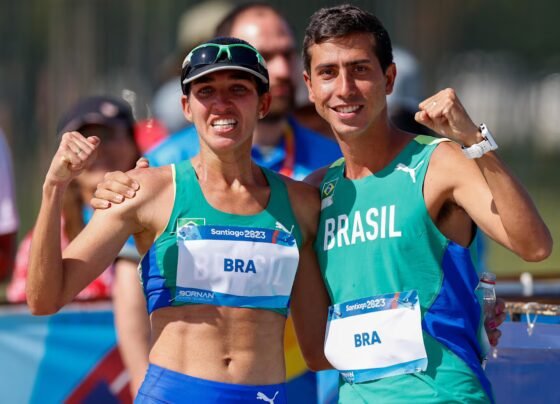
(269, 133)
(370, 152)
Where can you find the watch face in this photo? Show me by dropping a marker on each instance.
(487, 135)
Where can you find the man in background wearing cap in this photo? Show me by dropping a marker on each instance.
(111, 120)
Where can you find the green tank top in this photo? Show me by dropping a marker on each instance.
(376, 237)
(206, 256)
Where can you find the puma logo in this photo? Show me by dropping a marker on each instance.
(262, 396)
(410, 171)
(280, 226)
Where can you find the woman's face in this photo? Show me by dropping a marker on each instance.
(225, 107)
(117, 152)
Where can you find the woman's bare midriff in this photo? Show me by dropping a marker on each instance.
(224, 344)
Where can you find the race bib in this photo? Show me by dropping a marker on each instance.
(376, 337)
(235, 266)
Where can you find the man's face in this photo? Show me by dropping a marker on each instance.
(347, 85)
(272, 37)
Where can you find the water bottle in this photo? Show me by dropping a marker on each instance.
(487, 288)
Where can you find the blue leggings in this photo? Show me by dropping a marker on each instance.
(166, 386)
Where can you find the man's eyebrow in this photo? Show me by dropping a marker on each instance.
(324, 65)
(350, 63)
(357, 62)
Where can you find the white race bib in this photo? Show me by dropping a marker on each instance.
(376, 337)
(235, 266)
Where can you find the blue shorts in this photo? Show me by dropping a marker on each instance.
(166, 386)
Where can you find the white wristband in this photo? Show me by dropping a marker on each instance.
(478, 150)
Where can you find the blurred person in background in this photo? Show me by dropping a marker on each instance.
(280, 143)
(148, 133)
(402, 103)
(111, 120)
(9, 220)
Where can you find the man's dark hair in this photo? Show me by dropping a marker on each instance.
(339, 21)
(224, 28)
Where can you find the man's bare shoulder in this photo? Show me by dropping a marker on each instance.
(448, 173)
(449, 164)
(446, 147)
